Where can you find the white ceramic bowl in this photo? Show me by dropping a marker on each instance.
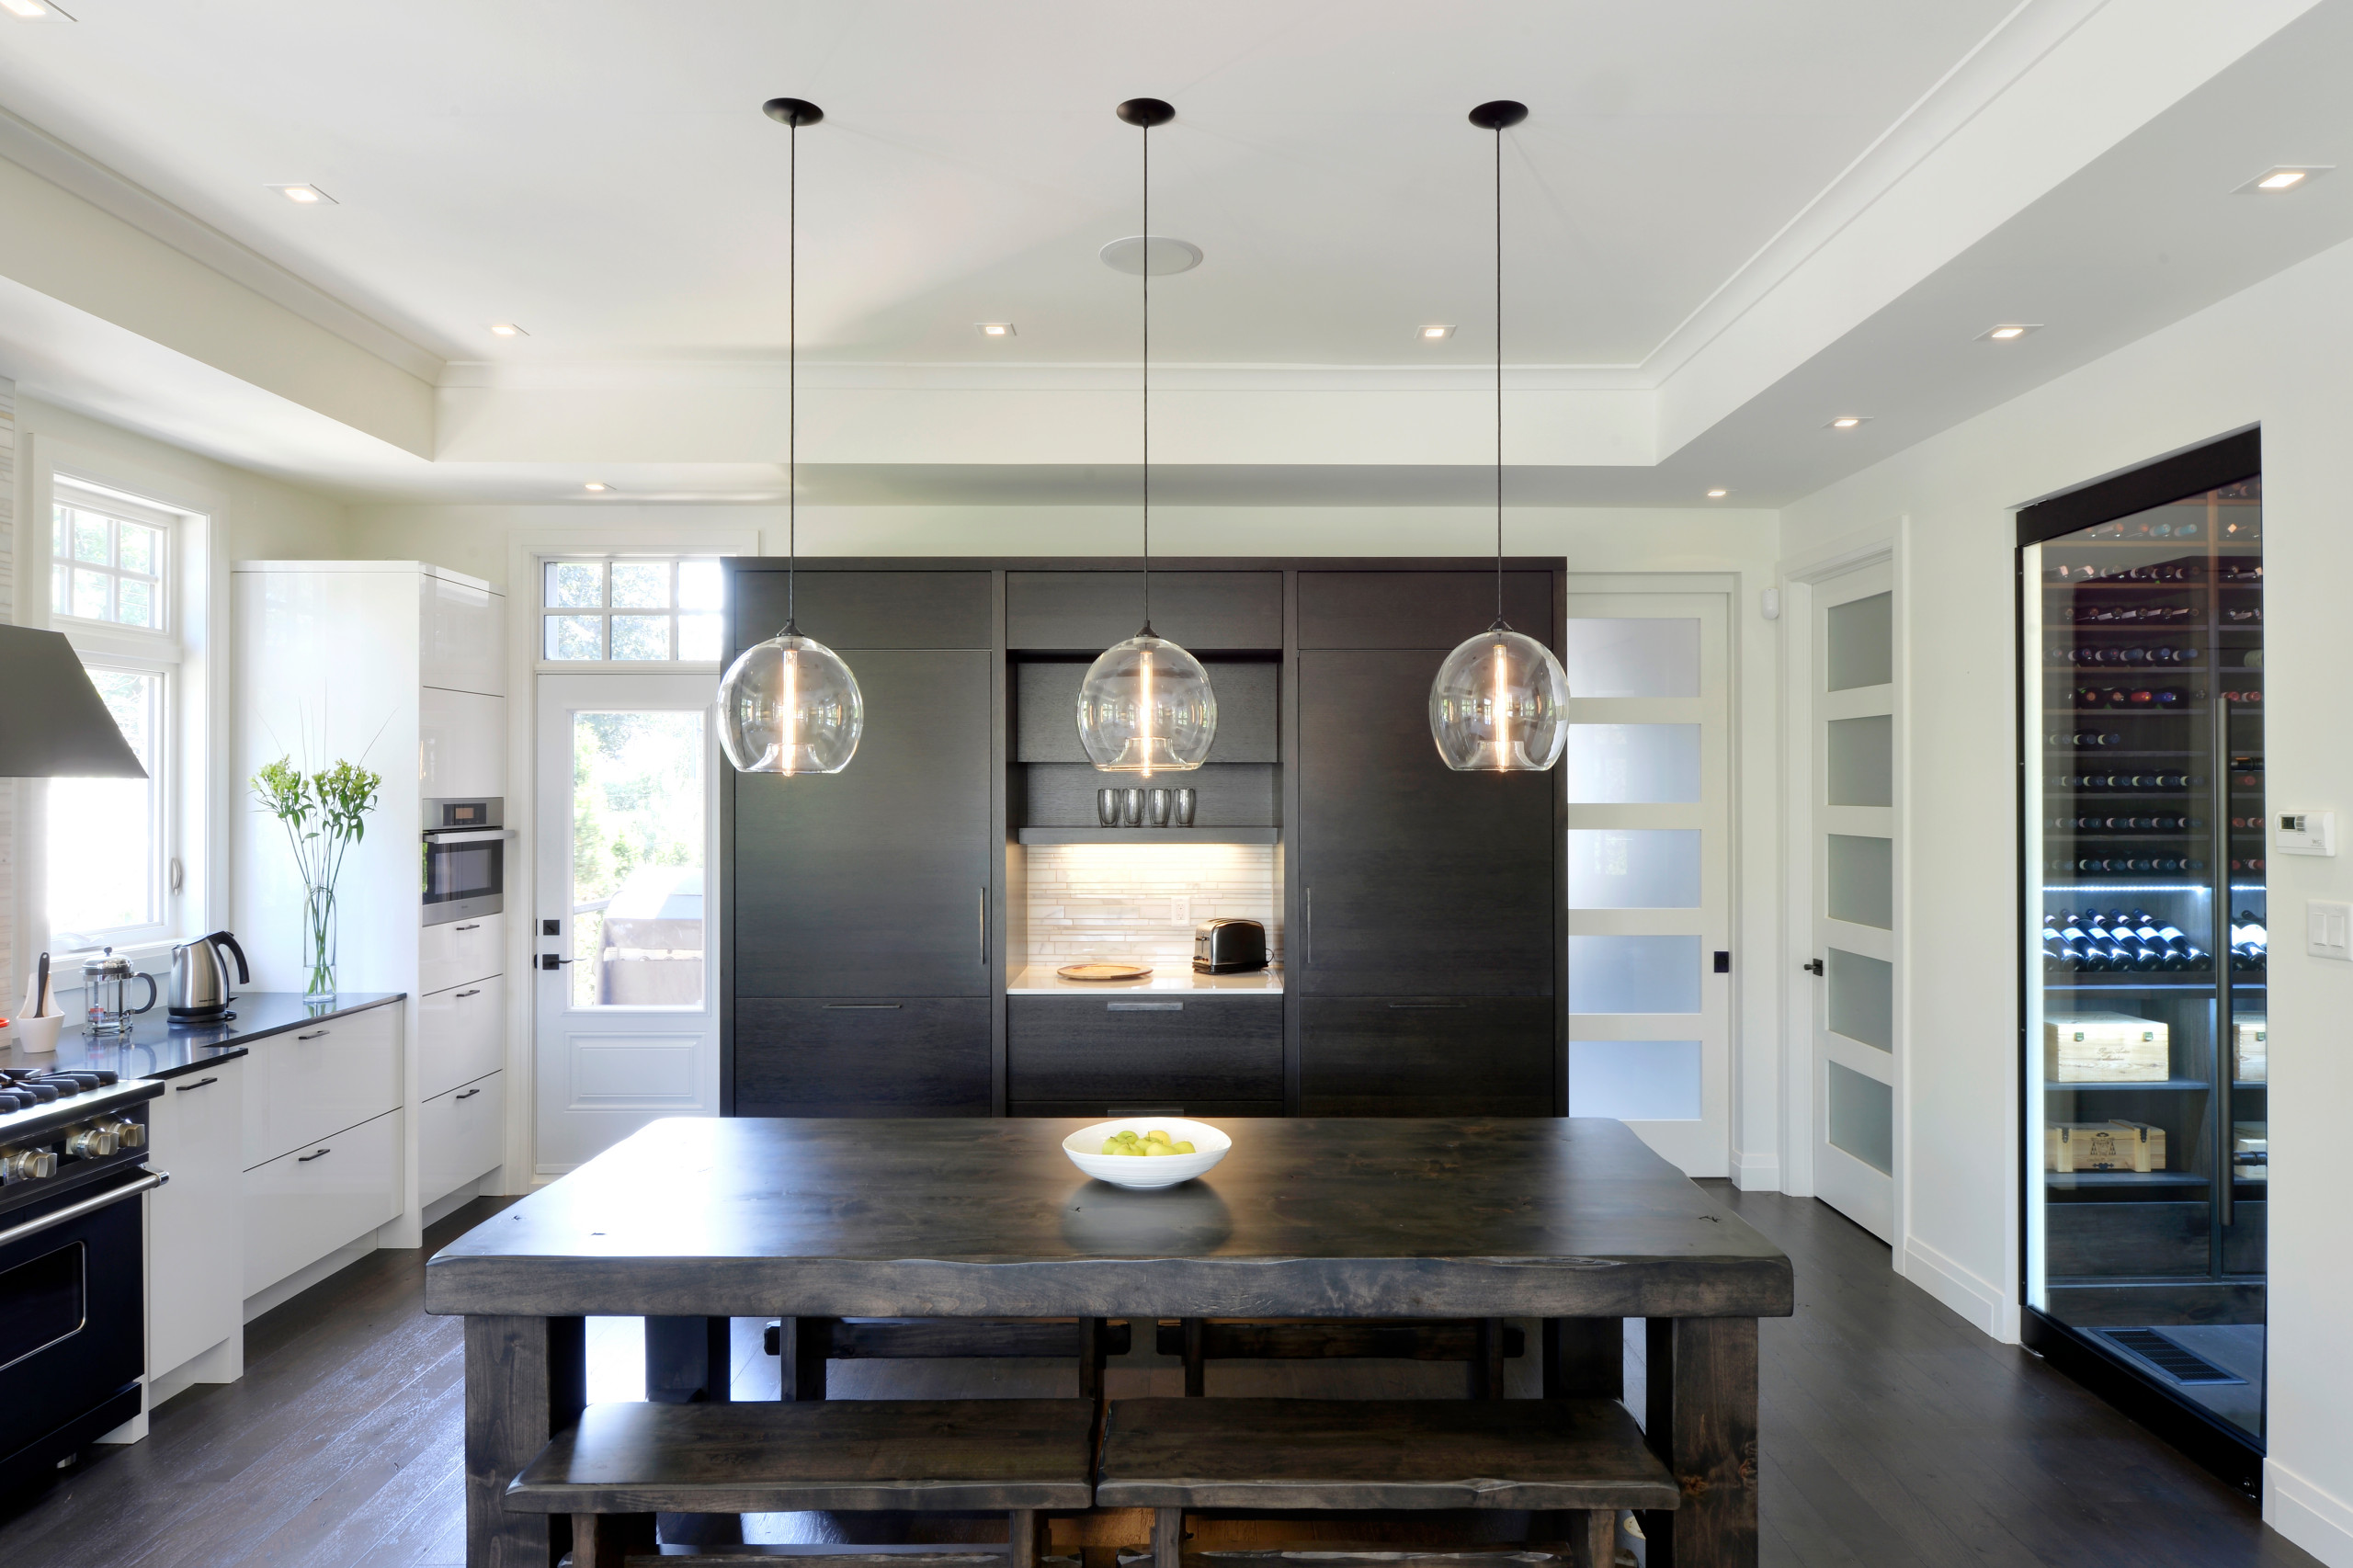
(1085, 1148)
(38, 1037)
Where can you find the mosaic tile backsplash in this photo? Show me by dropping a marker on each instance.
(1140, 901)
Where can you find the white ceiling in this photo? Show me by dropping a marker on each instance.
(599, 171)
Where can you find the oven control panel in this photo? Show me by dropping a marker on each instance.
(59, 1126)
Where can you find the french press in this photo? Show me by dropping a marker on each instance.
(106, 985)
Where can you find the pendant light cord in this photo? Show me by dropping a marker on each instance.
(1145, 273)
(1499, 375)
(792, 365)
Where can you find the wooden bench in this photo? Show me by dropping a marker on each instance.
(624, 1463)
(1581, 1457)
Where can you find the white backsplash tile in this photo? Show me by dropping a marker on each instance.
(1139, 901)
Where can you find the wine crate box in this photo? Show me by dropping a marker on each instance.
(2104, 1048)
(2103, 1146)
(2251, 1138)
(2250, 1052)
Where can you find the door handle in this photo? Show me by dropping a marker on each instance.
(183, 1089)
(315, 1034)
(1306, 926)
(1812, 966)
(1144, 1006)
(316, 1154)
(984, 928)
(551, 962)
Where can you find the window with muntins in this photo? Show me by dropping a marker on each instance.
(629, 610)
(106, 566)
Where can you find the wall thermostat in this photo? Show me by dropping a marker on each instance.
(2305, 833)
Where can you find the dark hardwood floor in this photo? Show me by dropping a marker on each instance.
(1895, 1435)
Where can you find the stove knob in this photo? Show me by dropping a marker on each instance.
(128, 1134)
(27, 1165)
(90, 1142)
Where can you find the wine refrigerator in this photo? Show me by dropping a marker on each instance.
(2143, 1045)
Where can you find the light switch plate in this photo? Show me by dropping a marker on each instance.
(2328, 929)
(2305, 833)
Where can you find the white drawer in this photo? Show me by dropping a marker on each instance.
(459, 950)
(460, 1135)
(195, 1238)
(304, 1204)
(309, 1082)
(461, 1035)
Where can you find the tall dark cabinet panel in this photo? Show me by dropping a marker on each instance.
(859, 929)
(1427, 897)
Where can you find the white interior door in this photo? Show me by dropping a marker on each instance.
(627, 1024)
(1649, 780)
(1855, 898)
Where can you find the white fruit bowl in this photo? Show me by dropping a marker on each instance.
(1085, 1149)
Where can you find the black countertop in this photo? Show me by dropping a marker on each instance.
(161, 1048)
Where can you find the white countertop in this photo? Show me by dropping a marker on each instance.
(1039, 980)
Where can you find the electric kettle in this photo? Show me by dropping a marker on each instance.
(201, 977)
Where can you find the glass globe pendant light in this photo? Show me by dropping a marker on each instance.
(1145, 706)
(790, 705)
(1500, 701)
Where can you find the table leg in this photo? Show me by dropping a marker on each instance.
(688, 1360)
(1584, 1358)
(1701, 1420)
(525, 1379)
(802, 1344)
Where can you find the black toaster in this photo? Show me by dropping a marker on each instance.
(1229, 947)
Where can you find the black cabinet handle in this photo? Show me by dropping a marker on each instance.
(469, 1094)
(1144, 1006)
(315, 1034)
(475, 927)
(306, 1159)
(463, 994)
(1306, 926)
(1426, 1005)
(183, 1089)
(861, 1006)
(984, 928)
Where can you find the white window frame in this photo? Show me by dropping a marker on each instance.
(163, 792)
(542, 612)
(83, 495)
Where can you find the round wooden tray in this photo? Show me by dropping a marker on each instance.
(1104, 971)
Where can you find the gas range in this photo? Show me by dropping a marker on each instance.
(60, 1129)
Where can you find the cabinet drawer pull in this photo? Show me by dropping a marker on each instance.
(463, 994)
(315, 1154)
(1424, 1006)
(314, 1034)
(861, 1006)
(183, 1089)
(1144, 1006)
(475, 927)
(470, 1094)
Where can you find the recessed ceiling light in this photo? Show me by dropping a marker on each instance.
(595, 486)
(2282, 177)
(300, 194)
(1848, 421)
(1718, 494)
(1436, 332)
(33, 11)
(995, 328)
(2007, 331)
(507, 329)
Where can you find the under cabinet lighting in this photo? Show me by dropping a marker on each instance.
(1718, 494)
(1848, 421)
(1431, 334)
(2282, 177)
(507, 329)
(300, 195)
(995, 328)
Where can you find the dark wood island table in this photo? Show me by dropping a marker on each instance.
(1465, 1218)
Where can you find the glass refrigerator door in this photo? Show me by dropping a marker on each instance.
(2146, 934)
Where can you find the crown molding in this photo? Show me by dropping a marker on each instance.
(775, 374)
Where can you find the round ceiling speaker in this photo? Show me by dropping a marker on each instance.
(1168, 256)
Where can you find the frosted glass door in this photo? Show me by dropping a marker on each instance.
(1648, 783)
(1856, 906)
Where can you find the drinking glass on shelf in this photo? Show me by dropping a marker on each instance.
(1132, 808)
(1107, 807)
(1181, 803)
(1155, 807)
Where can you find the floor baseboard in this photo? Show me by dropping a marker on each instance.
(1974, 1300)
(2313, 1518)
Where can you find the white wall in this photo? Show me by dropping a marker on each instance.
(2275, 355)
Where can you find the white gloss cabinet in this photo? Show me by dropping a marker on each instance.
(457, 951)
(460, 1037)
(464, 625)
(462, 1134)
(308, 1083)
(307, 1202)
(461, 745)
(195, 1228)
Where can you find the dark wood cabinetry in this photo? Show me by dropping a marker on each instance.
(874, 915)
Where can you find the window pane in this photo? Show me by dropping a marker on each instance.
(699, 637)
(1643, 657)
(1633, 764)
(103, 850)
(136, 605)
(1862, 998)
(574, 585)
(699, 586)
(89, 538)
(1862, 1117)
(90, 594)
(1635, 868)
(642, 585)
(1861, 880)
(1633, 974)
(60, 531)
(60, 590)
(575, 637)
(637, 860)
(1861, 635)
(137, 547)
(1635, 1080)
(641, 637)
(1862, 761)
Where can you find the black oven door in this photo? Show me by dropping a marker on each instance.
(465, 874)
(72, 1324)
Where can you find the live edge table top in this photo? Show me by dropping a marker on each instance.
(1458, 1218)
